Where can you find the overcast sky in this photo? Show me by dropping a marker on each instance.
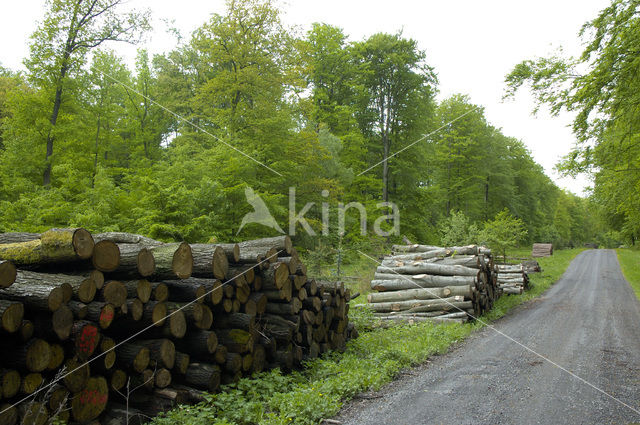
(472, 45)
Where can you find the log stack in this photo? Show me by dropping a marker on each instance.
(429, 283)
(542, 250)
(512, 279)
(112, 311)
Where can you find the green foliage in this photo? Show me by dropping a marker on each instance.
(312, 107)
(456, 230)
(601, 88)
(630, 263)
(318, 391)
(503, 232)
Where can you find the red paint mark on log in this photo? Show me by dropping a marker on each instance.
(88, 340)
(93, 397)
(106, 316)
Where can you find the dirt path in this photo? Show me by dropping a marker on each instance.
(588, 322)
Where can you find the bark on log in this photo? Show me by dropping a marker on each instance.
(248, 271)
(35, 291)
(135, 260)
(430, 269)
(182, 362)
(420, 294)
(236, 340)
(275, 276)
(393, 282)
(203, 376)
(173, 261)
(199, 344)
(54, 246)
(133, 356)
(209, 260)
(187, 290)
(292, 307)
(125, 238)
(163, 351)
(424, 305)
(231, 250)
(236, 321)
(280, 243)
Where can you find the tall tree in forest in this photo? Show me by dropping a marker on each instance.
(393, 77)
(70, 29)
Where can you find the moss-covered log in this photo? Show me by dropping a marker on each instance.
(54, 246)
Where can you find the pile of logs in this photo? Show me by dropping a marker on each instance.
(429, 283)
(512, 279)
(91, 322)
(542, 250)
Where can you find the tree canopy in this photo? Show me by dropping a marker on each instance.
(168, 147)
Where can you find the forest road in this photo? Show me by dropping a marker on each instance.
(588, 322)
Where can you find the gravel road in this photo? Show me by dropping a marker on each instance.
(588, 322)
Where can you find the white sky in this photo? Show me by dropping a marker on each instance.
(472, 45)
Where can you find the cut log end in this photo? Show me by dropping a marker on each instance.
(89, 403)
(83, 243)
(8, 273)
(106, 256)
(182, 263)
(146, 262)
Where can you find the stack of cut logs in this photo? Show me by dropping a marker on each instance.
(118, 318)
(512, 279)
(429, 283)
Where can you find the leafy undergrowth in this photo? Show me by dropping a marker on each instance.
(374, 359)
(630, 263)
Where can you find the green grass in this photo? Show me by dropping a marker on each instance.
(371, 361)
(630, 263)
